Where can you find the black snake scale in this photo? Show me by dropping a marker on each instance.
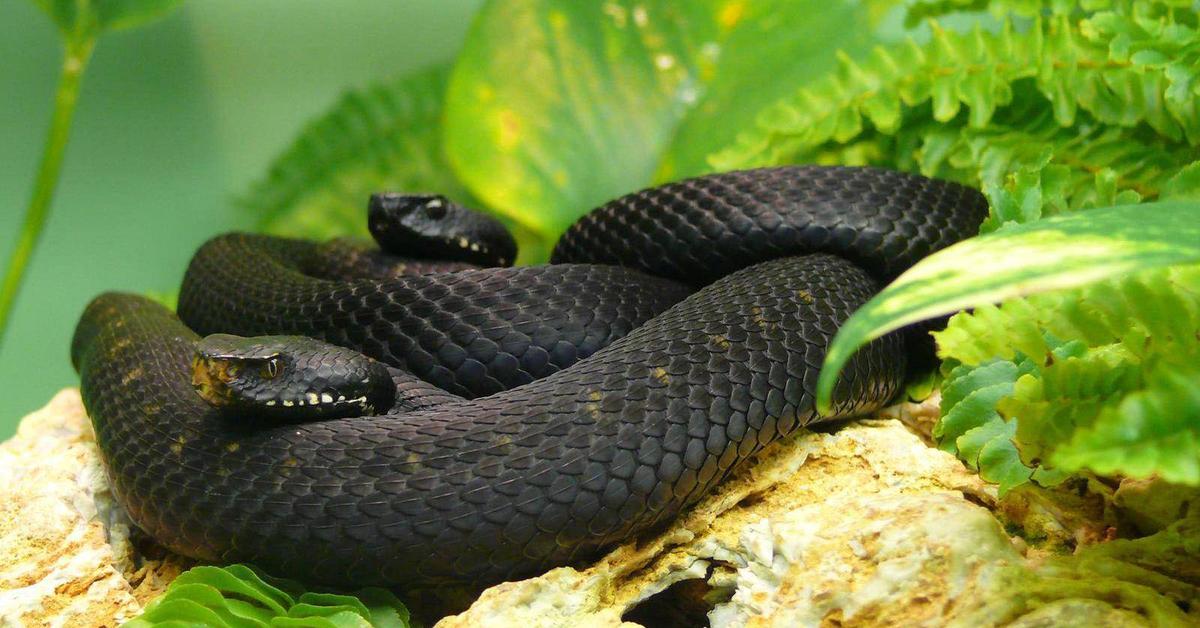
(660, 408)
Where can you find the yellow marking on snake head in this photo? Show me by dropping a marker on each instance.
(232, 447)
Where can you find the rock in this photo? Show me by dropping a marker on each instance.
(1153, 504)
(68, 559)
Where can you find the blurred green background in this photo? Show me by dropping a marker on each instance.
(174, 120)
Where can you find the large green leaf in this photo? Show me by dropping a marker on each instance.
(1058, 252)
(90, 17)
(384, 137)
(761, 61)
(555, 107)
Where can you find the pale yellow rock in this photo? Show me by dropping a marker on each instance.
(59, 528)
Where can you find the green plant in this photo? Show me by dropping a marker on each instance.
(80, 23)
(238, 596)
(1049, 107)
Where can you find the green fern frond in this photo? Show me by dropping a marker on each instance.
(1152, 431)
(1030, 167)
(385, 137)
(1122, 69)
(1118, 396)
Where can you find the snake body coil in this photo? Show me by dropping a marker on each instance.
(587, 412)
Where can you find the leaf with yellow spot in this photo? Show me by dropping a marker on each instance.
(555, 107)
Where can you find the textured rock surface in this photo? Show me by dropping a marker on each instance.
(67, 557)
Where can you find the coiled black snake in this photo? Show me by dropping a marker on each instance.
(599, 400)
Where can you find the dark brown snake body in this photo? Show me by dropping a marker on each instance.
(597, 401)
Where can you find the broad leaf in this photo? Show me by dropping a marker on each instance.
(1058, 252)
(556, 107)
(761, 61)
(385, 137)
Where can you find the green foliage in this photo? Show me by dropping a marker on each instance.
(384, 137)
(1049, 107)
(1120, 398)
(238, 596)
(1068, 109)
(1054, 253)
(80, 23)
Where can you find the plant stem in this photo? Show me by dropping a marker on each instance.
(74, 62)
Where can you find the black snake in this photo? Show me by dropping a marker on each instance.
(679, 330)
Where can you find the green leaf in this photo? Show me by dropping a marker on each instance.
(238, 580)
(89, 18)
(387, 611)
(238, 596)
(1155, 431)
(969, 400)
(384, 137)
(757, 64)
(335, 619)
(585, 104)
(1112, 390)
(1058, 252)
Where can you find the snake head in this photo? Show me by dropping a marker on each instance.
(289, 378)
(431, 226)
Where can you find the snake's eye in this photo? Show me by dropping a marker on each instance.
(233, 370)
(435, 209)
(270, 369)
